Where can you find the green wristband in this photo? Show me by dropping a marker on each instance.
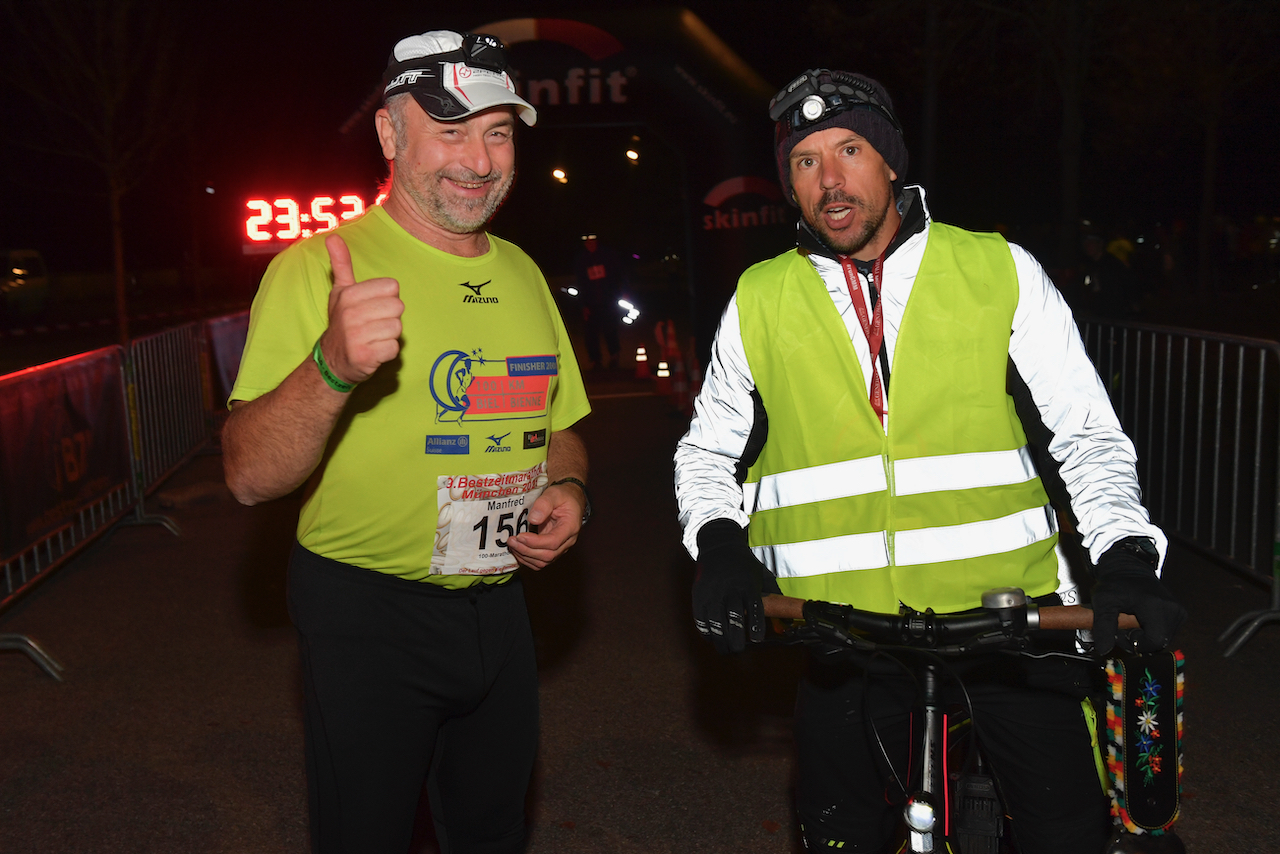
(329, 376)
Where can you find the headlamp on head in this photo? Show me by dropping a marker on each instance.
(481, 50)
(823, 98)
(819, 93)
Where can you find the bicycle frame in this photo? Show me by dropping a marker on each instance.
(1008, 617)
(920, 811)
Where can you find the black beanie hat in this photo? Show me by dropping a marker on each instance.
(865, 117)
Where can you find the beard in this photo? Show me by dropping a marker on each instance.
(460, 215)
(849, 242)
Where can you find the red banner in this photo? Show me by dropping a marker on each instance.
(64, 443)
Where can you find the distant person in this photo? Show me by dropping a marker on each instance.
(1109, 289)
(855, 442)
(601, 274)
(384, 362)
(1122, 248)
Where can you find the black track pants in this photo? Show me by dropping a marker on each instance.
(406, 682)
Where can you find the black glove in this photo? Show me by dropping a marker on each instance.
(1125, 581)
(727, 588)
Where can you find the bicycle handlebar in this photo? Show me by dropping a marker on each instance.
(1004, 619)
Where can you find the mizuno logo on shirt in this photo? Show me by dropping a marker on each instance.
(475, 295)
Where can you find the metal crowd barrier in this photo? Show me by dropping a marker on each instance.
(84, 440)
(1203, 411)
(168, 409)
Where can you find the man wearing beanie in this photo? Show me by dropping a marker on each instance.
(411, 373)
(854, 442)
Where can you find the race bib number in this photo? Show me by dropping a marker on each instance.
(477, 514)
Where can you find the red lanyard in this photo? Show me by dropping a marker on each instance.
(873, 325)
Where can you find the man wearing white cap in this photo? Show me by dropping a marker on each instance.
(411, 372)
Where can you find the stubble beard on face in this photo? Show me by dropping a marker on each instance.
(460, 215)
(848, 244)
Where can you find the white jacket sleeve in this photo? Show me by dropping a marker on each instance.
(1099, 464)
(707, 457)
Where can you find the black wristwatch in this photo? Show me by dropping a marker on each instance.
(586, 508)
(1140, 547)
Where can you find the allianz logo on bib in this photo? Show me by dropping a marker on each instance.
(475, 295)
(497, 447)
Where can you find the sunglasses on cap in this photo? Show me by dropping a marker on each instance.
(819, 93)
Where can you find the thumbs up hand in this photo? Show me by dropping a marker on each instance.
(364, 319)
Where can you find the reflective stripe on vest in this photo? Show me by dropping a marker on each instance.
(910, 477)
(911, 548)
(943, 506)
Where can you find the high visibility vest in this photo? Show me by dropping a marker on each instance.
(944, 506)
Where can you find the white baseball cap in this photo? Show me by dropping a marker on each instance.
(453, 75)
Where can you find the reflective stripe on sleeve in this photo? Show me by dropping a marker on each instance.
(974, 539)
(816, 483)
(962, 471)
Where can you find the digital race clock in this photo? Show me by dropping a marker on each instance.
(273, 224)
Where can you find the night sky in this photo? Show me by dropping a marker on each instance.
(266, 86)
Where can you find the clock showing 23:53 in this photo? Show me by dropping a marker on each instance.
(285, 219)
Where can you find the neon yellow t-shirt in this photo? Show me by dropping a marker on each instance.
(437, 456)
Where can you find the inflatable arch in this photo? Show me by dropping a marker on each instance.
(667, 71)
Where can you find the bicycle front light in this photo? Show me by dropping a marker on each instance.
(920, 820)
(920, 815)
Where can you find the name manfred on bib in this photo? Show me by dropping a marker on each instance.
(475, 516)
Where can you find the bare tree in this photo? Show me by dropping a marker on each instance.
(105, 77)
(1230, 44)
(947, 26)
(920, 36)
(1065, 31)
(1187, 70)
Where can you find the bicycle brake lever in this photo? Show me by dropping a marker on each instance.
(826, 622)
(826, 613)
(831, 636)
(997, 640)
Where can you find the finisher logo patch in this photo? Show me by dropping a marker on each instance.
(535, 439)
(470, 387)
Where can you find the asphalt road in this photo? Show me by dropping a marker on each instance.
(177, 728)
